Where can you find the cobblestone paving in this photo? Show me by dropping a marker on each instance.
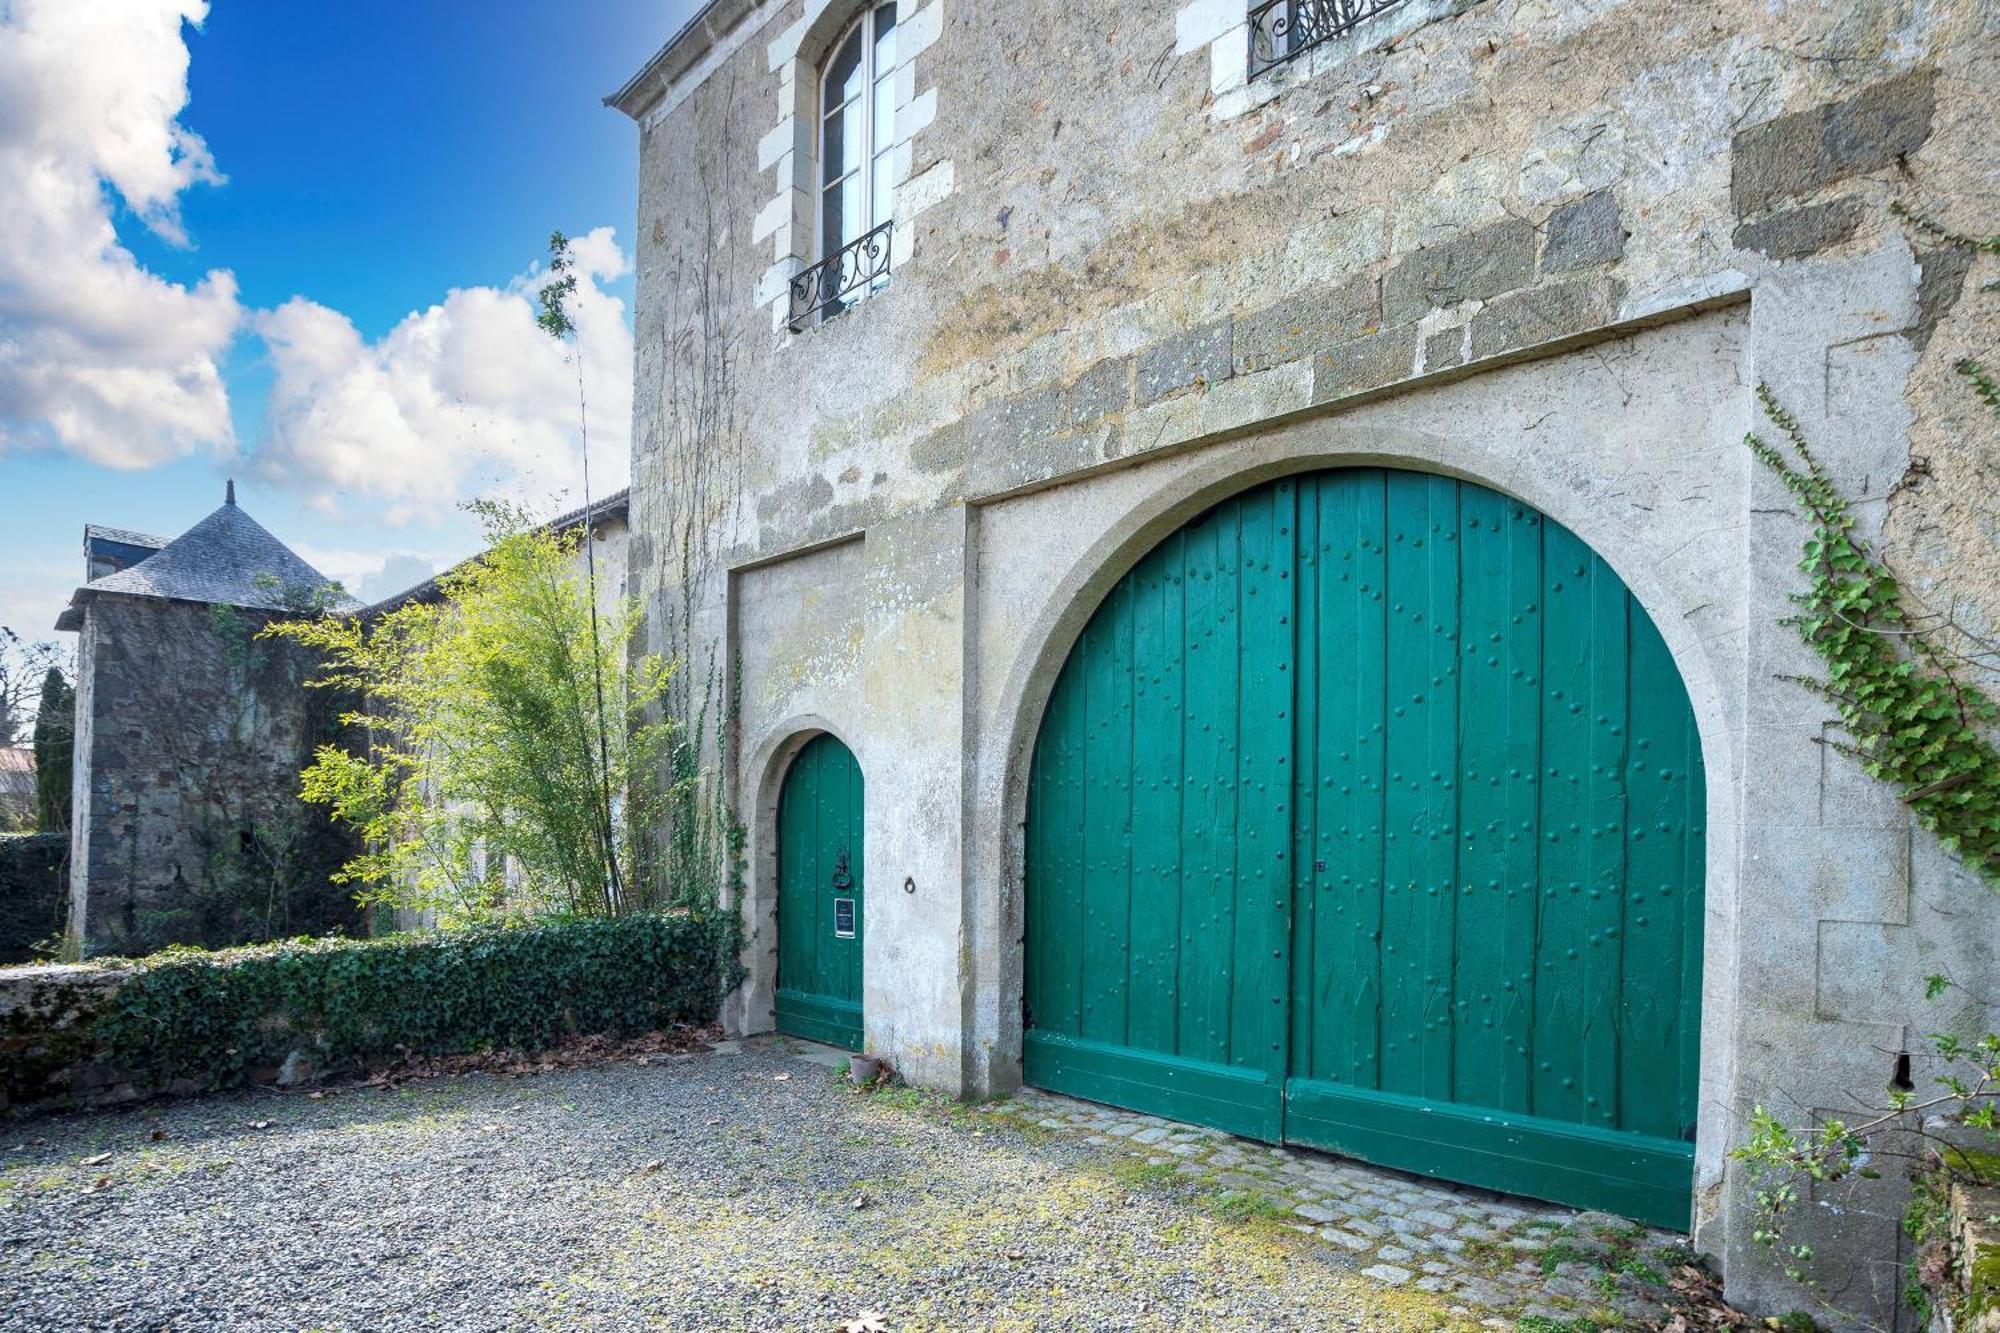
(1504, 1259)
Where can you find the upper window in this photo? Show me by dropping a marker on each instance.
(856, 173)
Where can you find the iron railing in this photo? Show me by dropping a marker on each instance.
(1282, 30)
(825, 289)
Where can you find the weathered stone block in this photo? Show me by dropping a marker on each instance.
(1780, 159)
(1583, 233)
(1006, 424)
(1367, 362)
(1801, 231)
(1200, 356)
(1103, 389)
(1305, 322)
(1880, 124)
(1444, 349)
(1478, 265)
(1543, 314)
(1797, 154)
(942, 450)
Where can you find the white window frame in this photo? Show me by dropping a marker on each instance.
(789, 222)
(870, 149)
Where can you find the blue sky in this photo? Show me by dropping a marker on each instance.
(375, 157)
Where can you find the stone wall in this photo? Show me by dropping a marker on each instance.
(188, 827)
(1552, 246)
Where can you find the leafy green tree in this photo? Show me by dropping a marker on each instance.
(481, 790)
(55, 751)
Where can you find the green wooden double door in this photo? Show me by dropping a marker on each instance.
(820, 894)
(1367, 814)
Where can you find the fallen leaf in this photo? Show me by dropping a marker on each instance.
(98, 1160)
(1017, 1255)
(158, 1134)
(868, 1321)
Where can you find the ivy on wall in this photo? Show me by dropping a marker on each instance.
(1914, 717)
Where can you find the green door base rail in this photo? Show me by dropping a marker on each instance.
(1367, 813)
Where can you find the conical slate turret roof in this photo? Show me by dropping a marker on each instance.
(227, 559)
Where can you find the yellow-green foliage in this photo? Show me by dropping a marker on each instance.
(507, 727)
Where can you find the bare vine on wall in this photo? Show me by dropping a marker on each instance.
(692, 443)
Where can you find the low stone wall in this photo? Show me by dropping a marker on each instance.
(186, 1021)
(33, 892)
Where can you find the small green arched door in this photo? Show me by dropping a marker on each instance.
(820, 895)
(1367, 814)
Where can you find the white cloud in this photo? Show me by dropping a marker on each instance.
(469, 396)
(373, 574)
(97, 355)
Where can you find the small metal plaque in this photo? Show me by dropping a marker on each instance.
(843, 918)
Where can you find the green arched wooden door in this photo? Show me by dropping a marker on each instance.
(1367, 814)
(820, 895)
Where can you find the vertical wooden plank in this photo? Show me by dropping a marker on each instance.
(1158, 674)
(1057, 875)
(1209, 821)
(1693, 912)
(1264, 780)
(1609, 733)
(1419, 866)
(826, 828)
(1351, 643)
(1654, 1010)
(792, 929)
(858, 869)
(1307, 865)
(1582, 817)
(1499, 702)
(1107, 763)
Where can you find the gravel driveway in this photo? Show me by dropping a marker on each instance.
(744, 1189)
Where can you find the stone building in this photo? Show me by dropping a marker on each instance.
(1247, 597)
(190, 736)
(191, 733)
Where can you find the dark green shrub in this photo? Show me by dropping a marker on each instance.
(34, 893)
(216, 1020)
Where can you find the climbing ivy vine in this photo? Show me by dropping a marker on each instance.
(1914, 717)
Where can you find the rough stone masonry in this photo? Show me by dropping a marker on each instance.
(1550, 246)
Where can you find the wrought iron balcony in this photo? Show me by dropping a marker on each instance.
(1282, 30)
(841, 279)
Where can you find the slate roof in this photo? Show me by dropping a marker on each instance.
(218, 561)
(123, 536)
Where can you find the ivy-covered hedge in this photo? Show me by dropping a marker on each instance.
(33, 890)
(188, 1020)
